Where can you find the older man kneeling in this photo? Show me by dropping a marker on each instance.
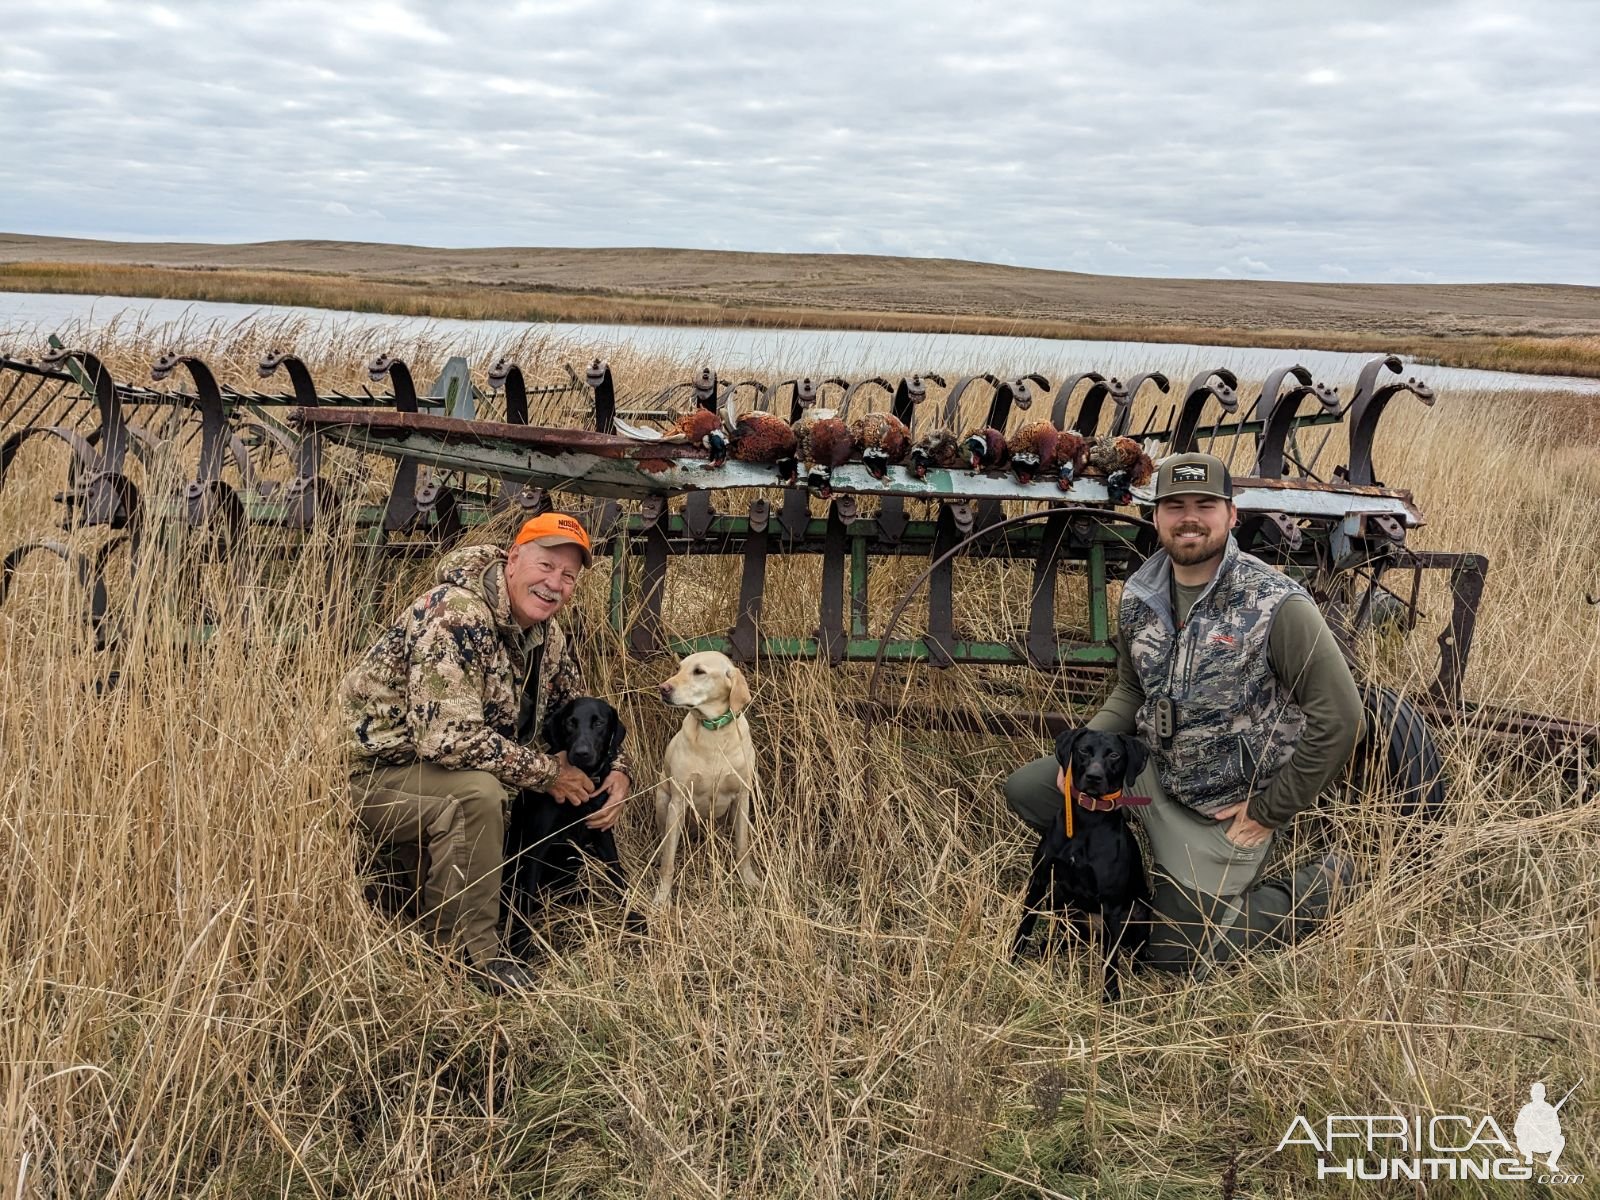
(442, 710)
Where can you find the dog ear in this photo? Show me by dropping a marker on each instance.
(618, 734)
(1065, 740)
(1138, 755)
(738, 691)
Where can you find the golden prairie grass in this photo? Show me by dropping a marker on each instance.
(196, 1001)
(1540, 355)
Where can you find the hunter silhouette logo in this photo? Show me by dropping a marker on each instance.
(1538, 1127)
(1455, 1146)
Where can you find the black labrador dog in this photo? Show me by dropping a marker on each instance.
(1088, 864)
(545, 840)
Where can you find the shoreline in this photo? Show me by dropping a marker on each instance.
(1526, 353)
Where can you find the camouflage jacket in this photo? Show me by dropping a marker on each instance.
(444, 684)
(1236, 722)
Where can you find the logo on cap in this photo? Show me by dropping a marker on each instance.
(1189, 473)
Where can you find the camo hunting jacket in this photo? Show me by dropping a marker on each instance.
(444, 684)
(1236, 722)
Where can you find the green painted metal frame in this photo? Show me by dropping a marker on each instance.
(726, 535)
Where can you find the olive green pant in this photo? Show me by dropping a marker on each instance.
(450, 825)
(1207, 906)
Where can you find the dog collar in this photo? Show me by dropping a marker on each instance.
(1071, 795)
(718, 722)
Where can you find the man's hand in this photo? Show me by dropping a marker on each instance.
(570, 786)
(614, 788)
(1244, 833)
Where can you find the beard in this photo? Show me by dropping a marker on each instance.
(1192, 554)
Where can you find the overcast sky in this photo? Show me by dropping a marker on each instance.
(1392, 141)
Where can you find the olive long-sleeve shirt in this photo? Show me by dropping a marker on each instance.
(1305, 657)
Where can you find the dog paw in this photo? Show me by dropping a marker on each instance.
(750, 880)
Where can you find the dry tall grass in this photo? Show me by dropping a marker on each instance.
(195, 1000)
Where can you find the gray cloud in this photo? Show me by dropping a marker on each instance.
(1443, 141)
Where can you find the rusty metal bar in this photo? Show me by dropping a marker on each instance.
(830, 630)
(1467, 574)
(644, 638)
(1090, 684)
(1041, 639)
(950, 532)
(746, 631)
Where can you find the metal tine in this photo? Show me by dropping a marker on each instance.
(44, 405)
(1124, 416)
(1279, 411)
(952, 402)
(16, 382)
(1366, 409)
(597, 377)
(1087, 422)
(64, 392)
(1310, 468)
(909, 394)
(208, 498)
(1058, 411)
(850, 393)
(837, 380)
(1238, 429)
(1149, 422)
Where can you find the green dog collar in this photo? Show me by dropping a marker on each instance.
(718, 722)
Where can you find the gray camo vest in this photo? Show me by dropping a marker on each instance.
(1236, 724)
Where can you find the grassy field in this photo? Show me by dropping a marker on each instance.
(196, 1001)
(1537, 329)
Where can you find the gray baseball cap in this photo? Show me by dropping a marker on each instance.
(1194, 475)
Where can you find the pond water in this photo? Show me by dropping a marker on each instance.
(26, 319)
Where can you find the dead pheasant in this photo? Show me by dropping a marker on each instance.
(763, 437)
(1124, 464)
(823, 443)
(985, 449)
(1032, 449)
(699, 427)
(936, 448)
(884, 440)
(1072, 454)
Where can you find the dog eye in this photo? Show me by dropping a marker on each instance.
(699, 670)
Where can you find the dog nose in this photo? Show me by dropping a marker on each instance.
(666, 691)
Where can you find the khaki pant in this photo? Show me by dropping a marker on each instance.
(452, 824)
(1207, 906)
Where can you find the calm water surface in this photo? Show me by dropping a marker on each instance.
(26, 319)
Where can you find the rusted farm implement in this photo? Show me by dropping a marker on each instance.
(239, 462)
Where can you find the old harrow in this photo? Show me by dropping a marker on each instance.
(223, 464)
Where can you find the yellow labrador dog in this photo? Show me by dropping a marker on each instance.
(710, 763)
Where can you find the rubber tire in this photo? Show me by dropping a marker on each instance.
(1409, 759)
